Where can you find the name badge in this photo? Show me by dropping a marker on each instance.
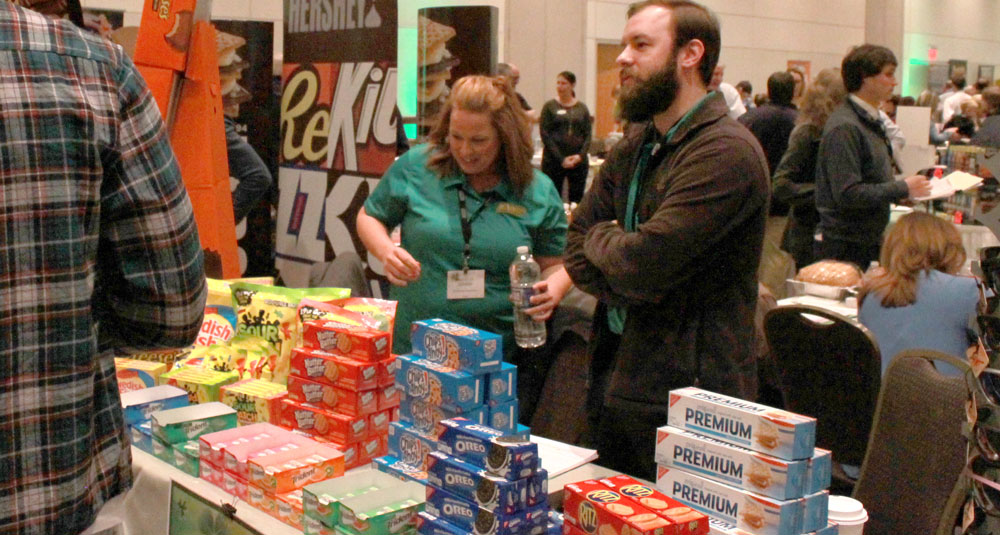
(515, 210)
(471, 285)
(561, 112)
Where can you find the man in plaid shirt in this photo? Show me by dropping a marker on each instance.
(98, 251)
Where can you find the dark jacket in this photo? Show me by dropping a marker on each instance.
(771, 124)
(989, 133)
(854, 181)
(688, 275)
(794, 183)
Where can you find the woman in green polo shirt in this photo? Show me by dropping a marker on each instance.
(465, 201)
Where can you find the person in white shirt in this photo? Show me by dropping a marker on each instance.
(733, 101)
(953, 104)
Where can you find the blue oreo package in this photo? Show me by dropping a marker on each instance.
(467, 515)
(409, 445)
(537, 488)
(436, 384)
(502, 416)
(428, 524)
(424, 416)
(501, 385)
(472, 483)
(505, 456)
(457, 346)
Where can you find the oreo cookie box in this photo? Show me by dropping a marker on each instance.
(741, 508)
(478, 521)
(505, 456)
(732, 465)
(757, 427)
(428, 524)
(436, 384)
(457, 346)
(472, 483)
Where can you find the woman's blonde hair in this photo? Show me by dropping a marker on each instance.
(917, 243)
(492, 95)
(821, 97)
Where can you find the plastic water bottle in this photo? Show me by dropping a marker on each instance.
(524, 273)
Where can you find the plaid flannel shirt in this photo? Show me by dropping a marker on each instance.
(98, 251)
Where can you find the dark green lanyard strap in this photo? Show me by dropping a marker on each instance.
(463, 212)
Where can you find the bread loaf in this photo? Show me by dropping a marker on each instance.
(830, 273)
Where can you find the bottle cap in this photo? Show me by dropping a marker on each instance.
(522, 249)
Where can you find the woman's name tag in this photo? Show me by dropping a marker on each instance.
(561, 112)
(467, 285)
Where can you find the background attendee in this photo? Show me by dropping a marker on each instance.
(772, 123)
(854, 167)
(794, 179)
(988, 134)
(669, 237)
(953, 104)
(513, 75)
(479, 156)
(915, 299)
(800, 83)
(964, 122)
(565, 127)
(733, 100)
(746, 94)
(889, 106)
(100, 254)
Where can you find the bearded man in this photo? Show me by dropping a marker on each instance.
(668, 238)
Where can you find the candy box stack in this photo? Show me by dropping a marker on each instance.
(255, 400)
(175, 432)
(752, 468)
(363, 502)
(138, 406)
(483, 481)
(202, 385)
(134, 374)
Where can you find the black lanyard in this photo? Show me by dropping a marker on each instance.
(467, 225)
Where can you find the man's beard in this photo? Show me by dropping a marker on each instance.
(647, 98)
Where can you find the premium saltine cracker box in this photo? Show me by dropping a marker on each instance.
(757, 427)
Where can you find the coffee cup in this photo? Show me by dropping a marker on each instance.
(849, 514)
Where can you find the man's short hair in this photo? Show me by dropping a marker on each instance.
(862, 62)
(982, 83)
(504, 69)
(745, 86)
(959, 82)
(691, 21)
(781, 87)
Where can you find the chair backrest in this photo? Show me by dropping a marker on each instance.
(911, 478)
(829, 368)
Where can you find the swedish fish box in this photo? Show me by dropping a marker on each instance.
(817, 508)
(335, 370)
(687, 520)
(385, 511)
(488, 448)
(758, 427)
(436, 384)
(322, 500)
(424, 416)
(591, 506)
(202, 385)
(255, 400)
(400, 470)
(819, 471)
(732, 465)
(357, 342)
(409, 445)
(501, 385)
(502, 416)
(134, 374)
(745, 510)
(139, 405)
(456, 346)
(428, 524)
(333, 398)
(189, 423)
(467, 515)
(473, 484)
(289, 470)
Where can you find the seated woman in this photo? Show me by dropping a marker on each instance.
(465, 202)
(915, 299)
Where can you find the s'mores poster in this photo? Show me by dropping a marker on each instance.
(451, 42)
(245, 50)
(339, 124)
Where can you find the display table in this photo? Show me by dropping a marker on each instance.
(147, 505)
(844, 308)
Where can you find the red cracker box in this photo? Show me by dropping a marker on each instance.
(352, 341)
(333, 369)
(286, 471)
(386, 371)
(332, 398)
(388, 397)
(378, 423)
(590, 505)
(373, 448)
(338, 428)
(690, 522)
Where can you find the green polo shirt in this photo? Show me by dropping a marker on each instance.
(426, 206)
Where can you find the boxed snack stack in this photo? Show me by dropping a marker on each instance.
(751, 468)
(361, 503)
(625, 505)
(255, 400)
